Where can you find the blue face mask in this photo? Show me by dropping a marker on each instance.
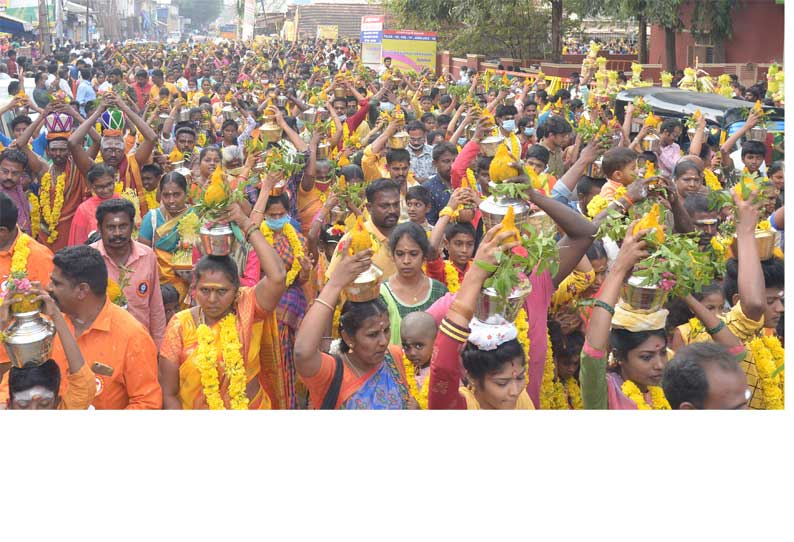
(342, 118)
(509, 125)
(299, 122)
(276, 223)
(529, 131)
(461, 141)
(386, 106)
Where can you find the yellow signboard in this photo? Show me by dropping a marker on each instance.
(327, 31)
(410, 49)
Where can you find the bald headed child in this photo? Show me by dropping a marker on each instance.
(418, 333)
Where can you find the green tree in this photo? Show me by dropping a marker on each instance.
(713, 20)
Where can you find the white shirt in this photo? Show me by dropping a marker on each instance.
(104, 87)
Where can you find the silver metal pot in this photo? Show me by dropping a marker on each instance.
(489, 145)
(184, 114)
(494, 209)
(652, 143)
(308, 116)
(757, 133)
(28, 340)
(490, 306)
(217, 240)
(642, 299)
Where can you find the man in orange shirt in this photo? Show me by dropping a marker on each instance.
(39, 264)
(114, 344)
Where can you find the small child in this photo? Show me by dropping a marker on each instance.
(417, 199)
(101, 179)
(418, 333)
(170, 300)
(620, 168)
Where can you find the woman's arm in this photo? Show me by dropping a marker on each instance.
(318, 318)
(724, 336)
(696, 144)
(752, 294)
(144, 151)
(592, 376)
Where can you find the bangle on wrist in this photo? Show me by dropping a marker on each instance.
(622, 207)
(628, 199)
(604, 305)
(716, 329)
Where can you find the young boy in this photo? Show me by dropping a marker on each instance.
(170, 300)
(620, 168)
(459, 242)
(418, 333)
(418, 201)
(150, 178)
(669, 151)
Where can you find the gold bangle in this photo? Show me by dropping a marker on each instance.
(321, 302)
(257, 211)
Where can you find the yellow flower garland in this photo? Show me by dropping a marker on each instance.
(52, 214)
(712, 182)
(658, 399)
(151, 199)
(574, 393)
(763, 349)
(522, 335)
(410, 376)
(596, 205)
(295, 245)
(206, 362)
(451, 276)
(19, 260)
(552, 392)
(35, 215)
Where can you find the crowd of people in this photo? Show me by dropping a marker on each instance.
(361, 250)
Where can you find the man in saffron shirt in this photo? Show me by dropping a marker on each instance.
(123, 255)
(116, 346)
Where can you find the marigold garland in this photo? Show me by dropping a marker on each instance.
(766, 366)
(633, 392)
(206, 362)
(294, 244)
(410, 376)
(19, 260)
(712, 182)
(52, 213)
(552, 391)
(574, 393)
(35, 215)
(451, 276)
(151, 199)
(522, 335)
(596, 205)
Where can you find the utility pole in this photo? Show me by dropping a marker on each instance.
(44, 28)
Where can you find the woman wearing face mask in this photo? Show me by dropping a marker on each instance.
(368, 374)
(160, 230)
(291, 249)
(494, 361)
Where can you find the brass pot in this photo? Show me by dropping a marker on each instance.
(398, 140)
(765, 241)
(366, 286)
(489, 145)
(322, 150)
(217, 240)
(490, 307)
(494, 210)
(339, 93)
(279, 187)
(642, 299)
(28, 340)
(542, 222)
(270, 132)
